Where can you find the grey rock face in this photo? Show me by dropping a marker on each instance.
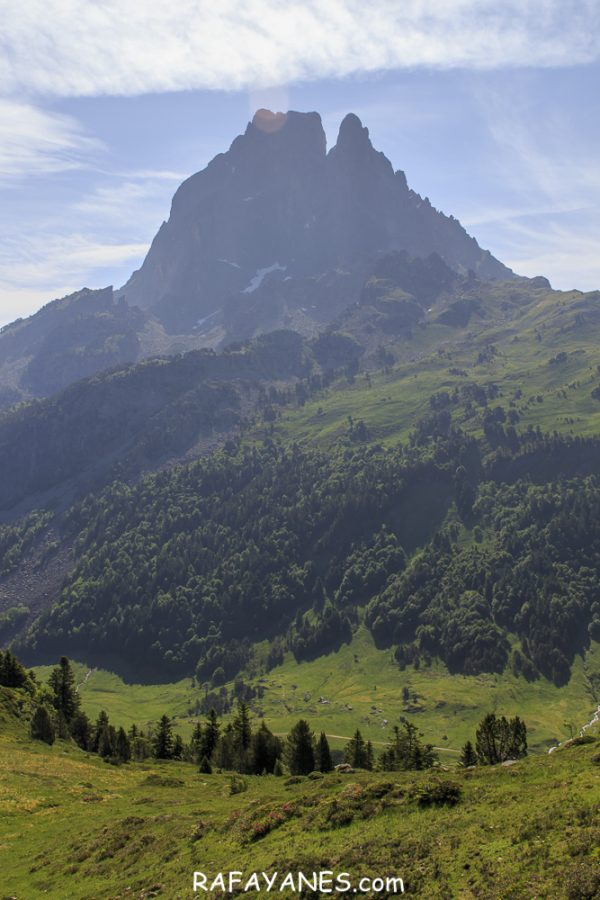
(277, 206)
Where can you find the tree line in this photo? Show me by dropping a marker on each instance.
(238, 746)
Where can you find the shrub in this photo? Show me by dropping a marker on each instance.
(237, 785)
(439, 793)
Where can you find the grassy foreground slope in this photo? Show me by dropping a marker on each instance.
(363, 688)
(74, 827)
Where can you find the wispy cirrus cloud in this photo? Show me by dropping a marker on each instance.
(34, 141)
(128, 47)
(37, 268)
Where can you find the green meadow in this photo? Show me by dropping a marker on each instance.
(72, 826)
(555, 395)
(363, 687)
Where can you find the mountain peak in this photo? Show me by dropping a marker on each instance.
(286, 128)
(277, 200)
(266, 120)
(354, 150)
(352, 131)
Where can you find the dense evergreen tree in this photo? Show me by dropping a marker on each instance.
(122, 746)
(107, 742)
(265, 750)
(323, 760)
(499, 739)
(468, 757)
(42, 726)
(81, 730)
(196, 753)
(163, 739)
(242, 728)
(299, 750)
(357, 753)
(225, 754)
(178, 747)
(62, 682)
(12, 673)
(210, 735)
(242, 738)
(205, 766)
(100, 727)
(406, 751)
(141, 746)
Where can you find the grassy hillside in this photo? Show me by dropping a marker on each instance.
(73, 826)
(555, 393)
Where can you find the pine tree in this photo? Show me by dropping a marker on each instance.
(406, 750)
(210, 735)
(62, 682)
(500, 739)
(81, 731)
(42, 726)
(196, 743)
(12, 673)
(242, 737)
(140, 745)
(324, 762)
(122, 746)
(356, 751)
(265, 749)
(468, 757)
(225, 752)
(242, 728)
(300, 749)
(107, 742)
(178, 747)
(163, 740)
(99, 729)
(62, 726)
(518, 738)
(486, 741)
(205, 767)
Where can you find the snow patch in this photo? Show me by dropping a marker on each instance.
(260, 275)
(229, 263)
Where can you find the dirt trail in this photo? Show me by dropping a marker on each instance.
(346, 737)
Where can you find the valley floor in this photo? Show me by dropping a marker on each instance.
(360, 686)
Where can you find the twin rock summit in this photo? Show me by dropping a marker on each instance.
(276, 233)
(277, 207)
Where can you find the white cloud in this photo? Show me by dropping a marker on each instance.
(77, 48)
(46, 258)
(34, 141)
(567, 256)
(137, 199)
(38, 268)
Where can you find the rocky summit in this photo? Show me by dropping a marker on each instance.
(276, 233)
(277, 208)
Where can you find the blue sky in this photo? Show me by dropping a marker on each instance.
(492, 110)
